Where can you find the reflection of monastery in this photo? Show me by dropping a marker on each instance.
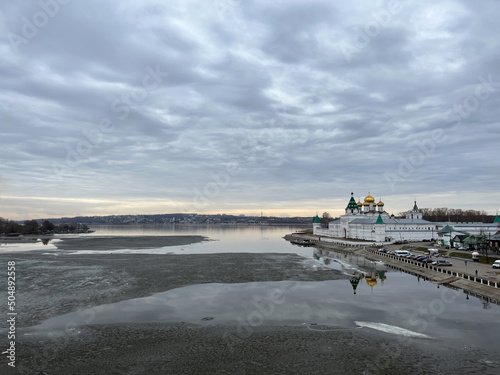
(370, 278)
(372, 271)
(369, 221)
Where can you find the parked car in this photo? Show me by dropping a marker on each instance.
(441, 262)
(403, 253)
(413, 256)
(384, 250)
(433, 252)
(427, 260)
(496, 264)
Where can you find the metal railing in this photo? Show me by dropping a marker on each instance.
(461, 275)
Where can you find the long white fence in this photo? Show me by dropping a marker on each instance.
(461, 275)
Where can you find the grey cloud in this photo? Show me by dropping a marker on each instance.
(262, 85)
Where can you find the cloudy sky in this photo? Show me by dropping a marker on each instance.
(247, 106)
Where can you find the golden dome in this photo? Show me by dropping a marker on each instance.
(380, 203)
(359, 204)
(369, 199)
(372, 281)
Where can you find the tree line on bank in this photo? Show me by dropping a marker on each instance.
(442, 214)
(11, 228)
(453, 214)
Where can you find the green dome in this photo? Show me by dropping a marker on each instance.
(352, 205)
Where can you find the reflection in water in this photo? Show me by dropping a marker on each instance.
(486, 303)
(21, 244)
(328, 303)
(355, 281)
(374, 272)
(370, 271)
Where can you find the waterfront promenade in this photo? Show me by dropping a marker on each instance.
(461, 275)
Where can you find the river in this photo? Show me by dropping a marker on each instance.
(248, 287)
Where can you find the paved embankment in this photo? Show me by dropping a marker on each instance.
(449, 276)
(481, 285)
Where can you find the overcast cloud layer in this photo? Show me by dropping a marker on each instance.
(241, 106)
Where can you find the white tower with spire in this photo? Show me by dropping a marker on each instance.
(415, 213)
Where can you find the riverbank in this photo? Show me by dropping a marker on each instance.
(50, 285)
(452, 276)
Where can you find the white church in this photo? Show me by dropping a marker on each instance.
(369, 221)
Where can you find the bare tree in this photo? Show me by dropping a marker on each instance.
(453, 214)
(325, 219)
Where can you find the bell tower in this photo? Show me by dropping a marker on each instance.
(415, 213)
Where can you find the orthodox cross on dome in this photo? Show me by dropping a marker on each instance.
(369, 198)
(415, 207)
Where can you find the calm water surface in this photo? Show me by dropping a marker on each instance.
(223, 239)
